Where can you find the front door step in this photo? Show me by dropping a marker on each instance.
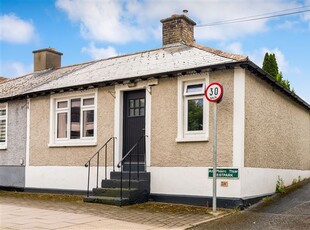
(133, 175)
(115, 192)
(137, 191)
(107, 200)
(133, 166)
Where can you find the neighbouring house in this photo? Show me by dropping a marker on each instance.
(14, 112)
(152, 108)
(3, 79)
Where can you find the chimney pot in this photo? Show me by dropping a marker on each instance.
(46, 59)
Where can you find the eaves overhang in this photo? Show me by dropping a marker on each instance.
(259, 72)
(246, 64)
(176, 73)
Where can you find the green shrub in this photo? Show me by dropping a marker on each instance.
(280, 188)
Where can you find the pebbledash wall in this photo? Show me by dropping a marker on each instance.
(177, 168)
(248, 139)
(277, 139)
(62, 167)
(181, 168)
(12, 158)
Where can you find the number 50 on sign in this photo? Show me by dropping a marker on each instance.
(214, 92)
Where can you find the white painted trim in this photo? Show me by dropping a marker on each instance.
(192, 139)
(63, 177)
(27, 141)
(183, 136)
(148, 114)
(170, 180)
(118, 116)
(118, 124)
(4, 145)
(83, 141)
(192, 181)
(260, 181)
(239, 117)
(72, 144)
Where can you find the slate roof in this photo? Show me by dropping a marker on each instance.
(18, 86)
(167, 59)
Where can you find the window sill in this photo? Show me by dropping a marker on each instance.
(4, 147)
(192, 139)
(68, 144)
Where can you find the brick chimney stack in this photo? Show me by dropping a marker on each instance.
(46, 59)
(178, 28)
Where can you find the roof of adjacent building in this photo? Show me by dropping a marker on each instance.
(19, 86)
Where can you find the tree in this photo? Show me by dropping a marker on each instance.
(270, 65)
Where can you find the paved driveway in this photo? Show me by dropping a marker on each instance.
(291, 211)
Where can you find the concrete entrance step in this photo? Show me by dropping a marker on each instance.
(107, 200)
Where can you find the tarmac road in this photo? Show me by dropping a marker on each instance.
(291, 211)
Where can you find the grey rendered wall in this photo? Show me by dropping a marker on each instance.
(12, 176)
(277, 130)
(12, 171)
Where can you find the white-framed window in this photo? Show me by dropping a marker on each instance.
(73, 119)
(3, 125)
(193, 109)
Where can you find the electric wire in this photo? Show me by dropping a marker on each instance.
(259, 17)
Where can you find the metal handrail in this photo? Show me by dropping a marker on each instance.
(128, 154)
(87, 164)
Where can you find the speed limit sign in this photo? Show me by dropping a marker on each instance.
(214, 92)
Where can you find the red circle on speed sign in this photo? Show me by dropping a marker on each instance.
(214, 92)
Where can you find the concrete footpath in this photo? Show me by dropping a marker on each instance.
(15, 217)
(31, 213)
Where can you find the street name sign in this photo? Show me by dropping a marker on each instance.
(226, 173)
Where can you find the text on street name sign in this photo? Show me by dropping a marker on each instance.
(225, 173)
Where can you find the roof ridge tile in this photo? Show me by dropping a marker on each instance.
(221, 53)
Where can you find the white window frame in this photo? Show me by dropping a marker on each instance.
(186, 131)
(183, 134)
(186, 84)
(82, 141)
(3, 145)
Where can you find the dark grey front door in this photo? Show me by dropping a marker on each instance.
(134, 124)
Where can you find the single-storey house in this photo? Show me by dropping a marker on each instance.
(146, 113)
(14, 112)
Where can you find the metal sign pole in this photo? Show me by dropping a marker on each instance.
(214, 156)
(214, 93)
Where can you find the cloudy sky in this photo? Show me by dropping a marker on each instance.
(85, 30)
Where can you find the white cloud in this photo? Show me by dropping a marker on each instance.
(306, 16)
(234, 47)
(206, 12)
(102, 20)
(15, 30)
(120, 21)
(14, 69)
(286, 25)
(257, 56)
(99, 53)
